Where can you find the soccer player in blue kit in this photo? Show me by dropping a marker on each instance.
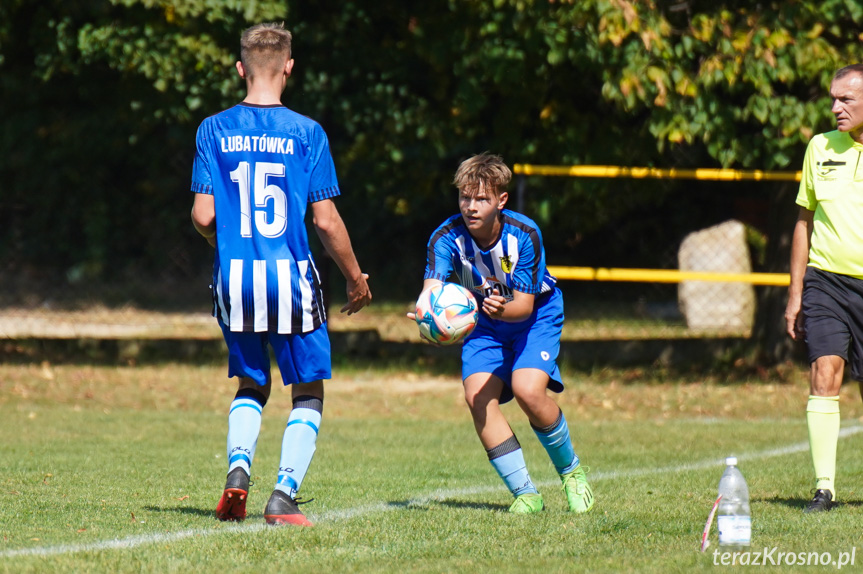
(498, 255)
(258, 166)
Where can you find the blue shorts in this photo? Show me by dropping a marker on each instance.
(833, 317)
(302, 357)
(499, 348)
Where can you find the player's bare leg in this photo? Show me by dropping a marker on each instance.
(247, 383)
(550, 426)
(529, 387)
(314, 389)
(482, 394)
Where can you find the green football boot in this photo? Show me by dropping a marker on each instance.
(577, 490)
(527, 504)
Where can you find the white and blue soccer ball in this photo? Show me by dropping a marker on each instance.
(446, 313)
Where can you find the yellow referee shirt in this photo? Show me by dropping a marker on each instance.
(832, 187)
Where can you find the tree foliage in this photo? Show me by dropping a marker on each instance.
(747, 80)
(101, 101)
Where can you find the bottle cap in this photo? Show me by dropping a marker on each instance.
(731, 461)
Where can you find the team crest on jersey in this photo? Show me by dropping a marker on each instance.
(506, 264)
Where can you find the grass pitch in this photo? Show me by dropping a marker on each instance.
(109, 469)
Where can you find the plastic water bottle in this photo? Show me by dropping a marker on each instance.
(734, 520)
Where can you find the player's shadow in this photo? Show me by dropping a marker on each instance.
(475, 505)
(424, 506)
(801, 503)
(182, 510)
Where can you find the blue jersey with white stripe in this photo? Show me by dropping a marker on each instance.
(515, 262)
(264, 165)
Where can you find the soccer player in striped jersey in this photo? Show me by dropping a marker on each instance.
(512, 352)
(257, 168)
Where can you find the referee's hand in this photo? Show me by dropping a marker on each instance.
(794, 319)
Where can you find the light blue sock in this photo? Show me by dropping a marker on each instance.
(244, 426)
(507, 459)
(558, 444)
(298, 444)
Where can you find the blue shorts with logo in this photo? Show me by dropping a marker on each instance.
(301, 357)
(499, 348)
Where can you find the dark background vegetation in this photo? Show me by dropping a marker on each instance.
(100, 102)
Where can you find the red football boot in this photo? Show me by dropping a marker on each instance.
(282, 509)
(232, 505)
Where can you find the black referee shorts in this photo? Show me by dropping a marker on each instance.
(833, 317)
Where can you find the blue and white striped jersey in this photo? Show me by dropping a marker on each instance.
(264, 165)
(515, 262)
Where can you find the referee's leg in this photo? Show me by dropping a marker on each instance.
(823, 419)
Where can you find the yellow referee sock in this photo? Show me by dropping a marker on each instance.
(822, 416)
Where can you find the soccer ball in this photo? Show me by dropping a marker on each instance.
(446, 313)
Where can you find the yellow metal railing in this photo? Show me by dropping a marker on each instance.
(659, 275)
(666, 275)
(655, 173)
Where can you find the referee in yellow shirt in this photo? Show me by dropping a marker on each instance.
(825, 299)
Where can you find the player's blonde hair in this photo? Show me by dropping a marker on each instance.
(484, 170)
(264, 48)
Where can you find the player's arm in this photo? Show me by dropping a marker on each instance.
(519, 309)
(334, 235)
(204, 216)
(800, 243)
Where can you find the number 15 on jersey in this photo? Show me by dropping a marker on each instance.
(262, 192)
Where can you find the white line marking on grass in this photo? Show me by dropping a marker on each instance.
(349, 513)
(130, 542)
(782, 451)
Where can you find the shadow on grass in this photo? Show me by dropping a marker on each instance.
(183, 510)
(424, 506)
(801, 503)
(475, 505)
(365, 349)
